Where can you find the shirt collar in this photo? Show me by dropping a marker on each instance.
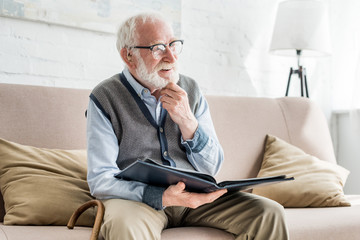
(140, 90)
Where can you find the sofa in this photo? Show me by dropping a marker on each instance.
(53, 118)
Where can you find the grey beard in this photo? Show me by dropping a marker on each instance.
(153, 78)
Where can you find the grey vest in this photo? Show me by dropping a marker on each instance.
(138, 135)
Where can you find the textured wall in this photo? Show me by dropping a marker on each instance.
(226, 51)
(41, 54)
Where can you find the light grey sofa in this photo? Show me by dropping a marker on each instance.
(54, 118)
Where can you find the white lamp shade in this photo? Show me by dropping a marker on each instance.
(301, 25)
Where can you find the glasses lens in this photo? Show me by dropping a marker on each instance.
(158, 50)
(176, 47)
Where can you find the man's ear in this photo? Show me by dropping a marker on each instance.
(127, 57)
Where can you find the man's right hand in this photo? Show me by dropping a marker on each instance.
(175, 195)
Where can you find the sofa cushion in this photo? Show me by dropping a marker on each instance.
(333, 223)
(198, 233)
(317, 183)
(11, 232)
(43, 186)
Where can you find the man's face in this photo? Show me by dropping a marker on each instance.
(155, 73)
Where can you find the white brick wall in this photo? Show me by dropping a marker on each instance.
(226, 51)
(41, 54)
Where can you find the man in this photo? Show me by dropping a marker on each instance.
(150, 111)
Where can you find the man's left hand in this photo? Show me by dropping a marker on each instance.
(175, 100)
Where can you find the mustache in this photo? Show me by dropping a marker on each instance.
(164, 65)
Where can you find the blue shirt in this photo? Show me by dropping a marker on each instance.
(203, 151)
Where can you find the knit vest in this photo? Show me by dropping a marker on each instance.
(138, 134)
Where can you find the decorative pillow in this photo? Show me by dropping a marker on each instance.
(317, 183)
(43, 186)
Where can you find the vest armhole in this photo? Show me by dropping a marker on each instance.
(97, 103)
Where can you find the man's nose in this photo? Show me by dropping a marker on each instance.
(169, 56)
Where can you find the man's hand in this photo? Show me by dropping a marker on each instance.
(175, 100)
(175, 195)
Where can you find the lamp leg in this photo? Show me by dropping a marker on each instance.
(288, 84)
(305, 81)
(300, 73)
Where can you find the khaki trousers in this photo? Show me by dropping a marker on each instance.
(246, 216)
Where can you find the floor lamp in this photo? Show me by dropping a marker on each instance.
(301, 29)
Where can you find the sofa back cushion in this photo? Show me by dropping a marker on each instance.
(43, 117)
(54, 118)
(242, 124)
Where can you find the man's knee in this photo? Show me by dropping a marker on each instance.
(125, 219)
(270, 207)
(271, 224)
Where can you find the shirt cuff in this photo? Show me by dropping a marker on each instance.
(153, 196)
(197, 143)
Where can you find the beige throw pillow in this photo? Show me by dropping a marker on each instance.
(317, 183)
(43, 186)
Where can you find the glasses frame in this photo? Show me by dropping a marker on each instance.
(161, 44)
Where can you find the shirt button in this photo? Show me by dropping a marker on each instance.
(165, 153)
(161, 130)
(146, 91)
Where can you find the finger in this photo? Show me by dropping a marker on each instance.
(215, 195)
(168, 99)
(174, 87)
(169, 108)
(170, 93)
(219, 193)
(180, 186)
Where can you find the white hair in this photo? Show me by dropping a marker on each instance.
(126, 35)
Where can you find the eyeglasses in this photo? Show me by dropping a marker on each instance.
(158, 50)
